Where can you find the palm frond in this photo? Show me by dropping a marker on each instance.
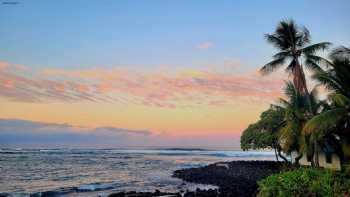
(290, 91)
(325, 121)
(306, 38)
(283, 103)
(340, 74)
(276, 41)
(287, 137)
(340, 52)
(329, 81)
(288, 28)
(314, 62)
(311, 65)
(312, 49)
(272, 66)
(282, 54)
(339, 100)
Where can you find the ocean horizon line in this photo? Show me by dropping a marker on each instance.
(170, 148)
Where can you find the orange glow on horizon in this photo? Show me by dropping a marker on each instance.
(181, 104)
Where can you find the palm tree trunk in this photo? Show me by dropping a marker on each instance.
(280, 155)
(342, 162)
(299, 78)
(317, 163)
(300, 83)
(297, 158)
(313, 160)
(344, 159)
(274, 147)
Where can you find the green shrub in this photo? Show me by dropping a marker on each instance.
(305, 182)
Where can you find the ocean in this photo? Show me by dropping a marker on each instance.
(99, 172)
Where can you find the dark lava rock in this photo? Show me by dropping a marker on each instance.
(197, 193)
(46, 194)
(144, 194)
(236, 178)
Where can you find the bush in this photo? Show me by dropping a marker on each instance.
(305, 182)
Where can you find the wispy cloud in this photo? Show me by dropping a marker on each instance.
(233, 63)
(161, 89)
(205, 45)
(20, 88)
(170, 89)
(3, 65)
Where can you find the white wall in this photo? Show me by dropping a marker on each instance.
(322, 160)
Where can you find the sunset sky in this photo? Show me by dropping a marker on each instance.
(144, 73)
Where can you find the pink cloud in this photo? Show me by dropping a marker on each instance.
(159, 89)
(26, 89)
(165, 89)
(205, 45)
(4, 65)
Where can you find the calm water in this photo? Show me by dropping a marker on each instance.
(80, 172)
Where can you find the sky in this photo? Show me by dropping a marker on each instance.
(144, 73)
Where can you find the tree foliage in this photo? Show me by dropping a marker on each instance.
(305, 182)
(264, 133)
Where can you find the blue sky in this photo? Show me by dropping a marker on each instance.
(185, 71)
(145, 34)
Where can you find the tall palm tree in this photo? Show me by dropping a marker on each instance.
(293, 44)
(335, 121)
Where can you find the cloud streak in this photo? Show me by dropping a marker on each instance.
(159, 89)
(15, 131)
(25, 133)
(205, 45)
(16, 87)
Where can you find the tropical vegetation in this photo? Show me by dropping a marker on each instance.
(301, 122)
(305, 182)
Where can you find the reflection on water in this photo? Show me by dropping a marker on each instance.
(70, 170)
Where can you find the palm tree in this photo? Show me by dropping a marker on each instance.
(335, 122)
(293, 44)
(289, 133)
(298, 109)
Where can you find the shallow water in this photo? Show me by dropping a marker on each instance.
(80, 172)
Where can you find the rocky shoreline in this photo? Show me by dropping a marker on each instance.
(236, 178)
(197, 193)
